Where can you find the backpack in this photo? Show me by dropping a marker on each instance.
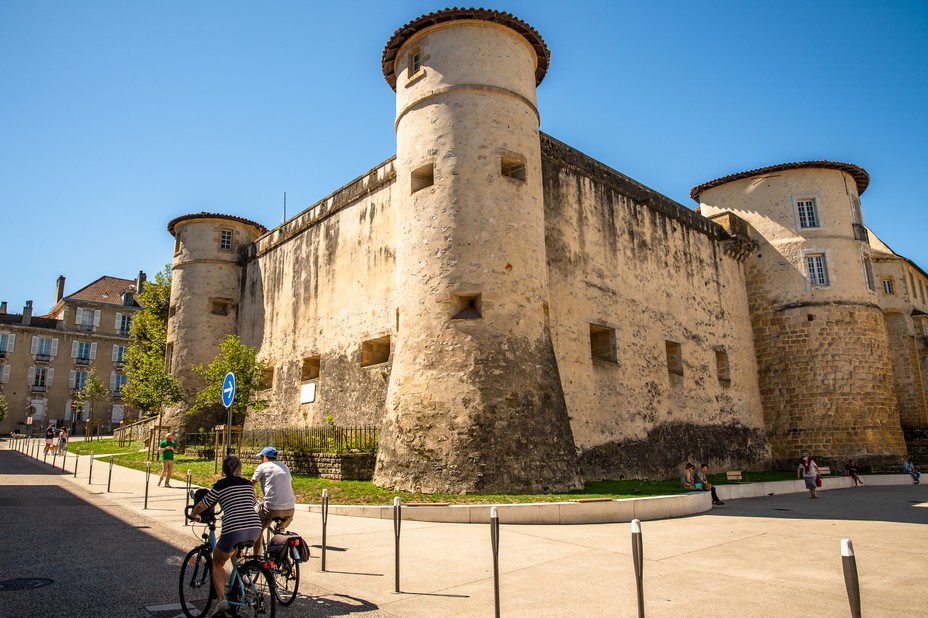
(197, 497)
(284, 542)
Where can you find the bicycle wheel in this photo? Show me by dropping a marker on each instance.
(196, 585)
(260, 599)
(286, 580)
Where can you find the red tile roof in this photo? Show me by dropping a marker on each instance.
(104, 290)
(861, 177)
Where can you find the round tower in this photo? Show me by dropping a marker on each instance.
(474, 402)
(825, 370)
(206, 276)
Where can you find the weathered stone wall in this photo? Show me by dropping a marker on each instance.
(907, 372)
(317, 287)
(624, 257)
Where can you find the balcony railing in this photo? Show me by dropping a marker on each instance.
(2, 353)
(43, 358)
(123, 332)
(860, 232)
(85, 328)
(117, 394)
(38, 389)
(82, 360)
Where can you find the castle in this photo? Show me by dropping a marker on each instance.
(518, 317)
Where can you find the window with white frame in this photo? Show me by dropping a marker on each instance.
(888, 286)
(38, 378)
(78, 379)
(87, 319)
(119, 354)
(44, 348)
(4, 374)
(123, 320)
(818, 269)
(225, 240)
(7, 343)
(117, 382)
(83, 352)
(808, 213)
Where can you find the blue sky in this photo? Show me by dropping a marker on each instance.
(118, 116)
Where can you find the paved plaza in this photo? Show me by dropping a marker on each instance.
(107, 555)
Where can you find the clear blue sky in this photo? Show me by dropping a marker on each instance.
(118, 116)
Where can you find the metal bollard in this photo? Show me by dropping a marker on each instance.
(76, 461)
(109, 478)
(54, 457)
(325, 520)
(90, 471)
(851, 581)
(397, 522)
(147, 476)
(44, 456)
(187, 498)
(494, 541)
(638, 557)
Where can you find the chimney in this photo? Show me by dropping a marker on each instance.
(27, 313)
(139, 281)
(3, 307)
(59, 289)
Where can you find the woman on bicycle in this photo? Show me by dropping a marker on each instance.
(240, 521)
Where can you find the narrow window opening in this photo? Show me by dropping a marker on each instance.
(868, 273)
(311, 366)
(810, 317)
(888, 286)
(225, 240)
(375, 351)
(172, 311)
(415, 61)
(674, 358)
(512, 167)
(422, 177)
(220, 306)
(602, 343)
(722, 368)
(168, 358)
(268, 378)
(176, 245)
(466, 306)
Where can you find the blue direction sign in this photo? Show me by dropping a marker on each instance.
(228, 389)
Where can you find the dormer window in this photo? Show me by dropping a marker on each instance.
(128, 300)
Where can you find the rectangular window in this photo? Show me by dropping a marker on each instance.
(124, 321)
(83, 353)
(220, 306)
(808, 215)
(602, 343)
(268, 378)
(7, 343)
(856, 217)
(912, 285)
(674, 358)
(118, 383)
(42, 348)
(722, 368)
(169, 358)
(512, 167)
(415, 60)
(888, 286)
(422, 177)
(921, 290)
(119, 354)
(818, 270)
(128, 300)
(466, 306)
(310, 370)
(868, 273)
(86, 320)
(225, 240)
(375, 351)
(80, 379)
(38, 378)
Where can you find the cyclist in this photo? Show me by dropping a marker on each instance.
(277, 487)
(240, 522)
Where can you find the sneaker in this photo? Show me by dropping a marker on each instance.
(221, 610)
(718, 503)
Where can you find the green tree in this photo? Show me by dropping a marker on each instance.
(149, 387)
(93, 393)
(3, 407)
(250, 378)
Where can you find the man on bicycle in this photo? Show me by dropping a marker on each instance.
(240, 522)
(277, 487)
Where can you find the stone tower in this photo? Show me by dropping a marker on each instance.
(474, 401)
(825, 372)
(206, 282)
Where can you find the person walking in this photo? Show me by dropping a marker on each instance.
(63, 441)
(808, 470)
(277, 488)
(166, 450)
(49, 438)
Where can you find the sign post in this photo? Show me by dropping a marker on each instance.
(228, 396)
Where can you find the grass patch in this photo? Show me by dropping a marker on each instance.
(309, 489)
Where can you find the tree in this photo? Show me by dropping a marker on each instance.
(149, 387)
(94, 391)
(3, 407)
(250, 378)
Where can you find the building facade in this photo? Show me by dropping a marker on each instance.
(516, 316)
(45, 360)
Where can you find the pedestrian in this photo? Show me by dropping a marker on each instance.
(166, 450)
(850, 469)
(703, 484)
(49, 438)
(909, 468)
(18, 428)
(808, 470)
(63, 441)
(277, 488)
(688, 478)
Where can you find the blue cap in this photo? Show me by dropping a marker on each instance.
(268, 451)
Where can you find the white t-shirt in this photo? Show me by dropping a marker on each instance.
(277, 485)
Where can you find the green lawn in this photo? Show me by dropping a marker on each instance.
(309, 489)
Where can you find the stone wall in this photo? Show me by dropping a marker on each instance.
(907, 371)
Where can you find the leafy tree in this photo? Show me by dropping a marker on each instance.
(3, 407)
(149, 387)
(250, 378)
(94, 392)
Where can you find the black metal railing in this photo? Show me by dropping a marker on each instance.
(82, 360)
(36, 388)
(85, 328)
(41, 357)
(318, 439)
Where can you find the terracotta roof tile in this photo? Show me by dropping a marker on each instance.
(860, 175)
(104, 290)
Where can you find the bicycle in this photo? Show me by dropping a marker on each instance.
(250, 590)
(286, 564)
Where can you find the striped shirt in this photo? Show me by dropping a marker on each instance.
(236, 496)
